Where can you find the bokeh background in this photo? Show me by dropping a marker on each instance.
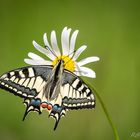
(111, 30)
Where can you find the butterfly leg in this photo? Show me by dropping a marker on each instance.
(32, 105)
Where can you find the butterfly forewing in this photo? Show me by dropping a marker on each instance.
(76, 94)
(25, 82)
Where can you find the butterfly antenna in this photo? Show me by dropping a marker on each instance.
(51, 51)
(69, 57)
(72, 53)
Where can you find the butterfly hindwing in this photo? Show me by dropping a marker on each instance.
(57, 114)
(32, 104)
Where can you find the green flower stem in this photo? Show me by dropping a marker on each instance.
(116, 135)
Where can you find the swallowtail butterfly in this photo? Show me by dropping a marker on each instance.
(46, 87)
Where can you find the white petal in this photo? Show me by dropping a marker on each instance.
(37, 62)
(34, 56)
(88, 60)
(65, 41)
(79, 51)
(54, 44)
(44, 51)
(84, 71)
(72, 42)
(46, 42)
(47, 45)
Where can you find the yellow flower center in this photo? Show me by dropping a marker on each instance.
(69, 64)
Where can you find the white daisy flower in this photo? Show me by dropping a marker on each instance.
(68, 54)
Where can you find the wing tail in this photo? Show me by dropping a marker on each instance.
(57, 114)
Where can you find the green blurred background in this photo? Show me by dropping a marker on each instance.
(111, 30)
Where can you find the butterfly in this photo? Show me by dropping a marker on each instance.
(52, 88)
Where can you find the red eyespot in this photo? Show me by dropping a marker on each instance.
(49, 107)
(44, 105)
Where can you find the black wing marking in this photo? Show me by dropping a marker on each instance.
(25, 82)
(76, 94)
